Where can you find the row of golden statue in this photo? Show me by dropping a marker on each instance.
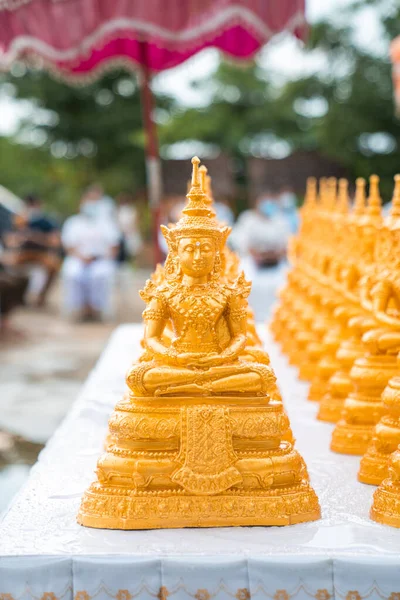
(201, 438)
(338, 321)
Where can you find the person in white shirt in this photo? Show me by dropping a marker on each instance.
(106, 208)
(128, 221)
(224, 212)
(262, 233)
(91, 245)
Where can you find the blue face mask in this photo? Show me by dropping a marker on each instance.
(89, 209)
(267, 208)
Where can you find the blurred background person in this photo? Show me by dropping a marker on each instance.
(33, 246)
(91, 245)
(261, 234)
(224, 211)
(128, 222)
(106, 207)
(288, 206)
(13, 285)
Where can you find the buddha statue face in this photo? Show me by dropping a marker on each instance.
(196, 256)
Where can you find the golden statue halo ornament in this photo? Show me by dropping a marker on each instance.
(199, 440)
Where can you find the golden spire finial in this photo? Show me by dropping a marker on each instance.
(209, 188)
(331, 193)
(343, 196)
(198, 216)
(205, 187)
(374, 198)
(203, 175)
(359, 200)
(196, 195)
(310, 198)
(195, 172)
(395, 210)
(323, 188)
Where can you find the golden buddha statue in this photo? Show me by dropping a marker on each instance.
(284, 321)
(346, 335)
(386, 503)
(317, 316)
(296, 307)
(369, 374)
(386, 435)
(197, 441)
(351, 326)
(229, 272)
(324, 353)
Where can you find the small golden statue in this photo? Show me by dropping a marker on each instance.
(284, 323)
(369, 374)
(386, 503)
(292, 319)
(386, 435)
(346, 335)
(331, 299)
(198, 439)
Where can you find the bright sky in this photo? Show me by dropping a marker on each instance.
(282, 56)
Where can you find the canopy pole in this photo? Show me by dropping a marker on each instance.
(153, 164)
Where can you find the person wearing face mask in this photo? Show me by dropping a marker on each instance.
(91, 245)
(261, 234)
(288, 205)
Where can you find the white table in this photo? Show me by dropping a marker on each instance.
(43, 550)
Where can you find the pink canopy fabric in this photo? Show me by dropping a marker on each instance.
(81, 37)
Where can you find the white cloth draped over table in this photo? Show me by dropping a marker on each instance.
(45, 555)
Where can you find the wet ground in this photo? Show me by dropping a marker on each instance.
(41, 375)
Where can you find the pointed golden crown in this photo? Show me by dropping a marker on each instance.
(331, 196)
(374, 199)
(359, 200)
(342, 204)
(206, 186)
(198, 217)
(395, 210)
(310, 198)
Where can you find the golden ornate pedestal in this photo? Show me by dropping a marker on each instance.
(198, 462)
(374, 465)
(340, 384)
(201, 439)
(386, 503)
(307, 340)
(363, 408)
(324, 353)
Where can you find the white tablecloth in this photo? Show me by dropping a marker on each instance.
(43, 550)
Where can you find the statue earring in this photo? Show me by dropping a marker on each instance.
(172, 268)
(217, 266)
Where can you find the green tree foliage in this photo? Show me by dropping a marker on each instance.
(86, 133)
(356, 127)
(344, 111)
